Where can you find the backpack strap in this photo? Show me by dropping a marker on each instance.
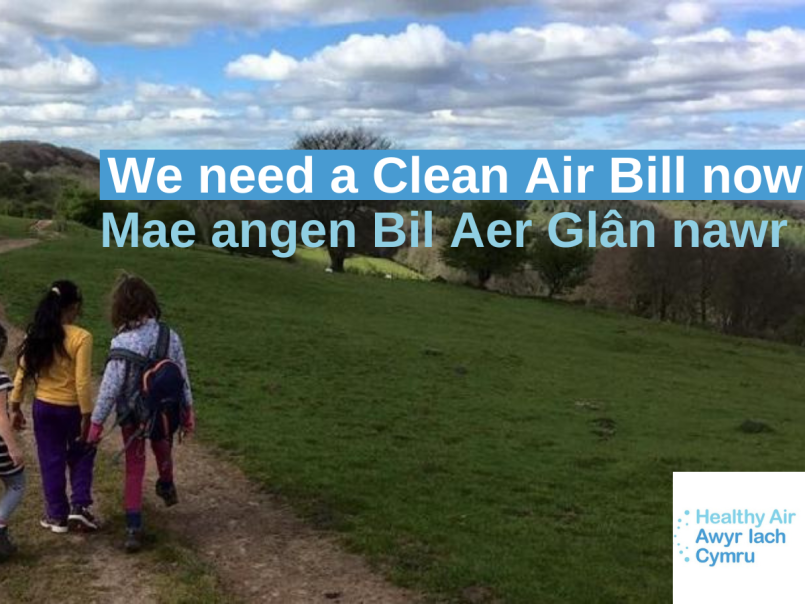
(163, 342)
(123, 354)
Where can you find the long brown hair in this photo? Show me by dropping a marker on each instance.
(133, 299)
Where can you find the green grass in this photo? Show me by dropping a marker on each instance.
(459, 439)
(359, 265)
(14, 228)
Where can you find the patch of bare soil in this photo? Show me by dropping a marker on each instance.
(261, 550)
(9, 245)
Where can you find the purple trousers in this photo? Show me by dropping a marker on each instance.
(57, 429)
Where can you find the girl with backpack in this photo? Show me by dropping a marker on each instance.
(12, 465)
(56, 359)
(146, 383)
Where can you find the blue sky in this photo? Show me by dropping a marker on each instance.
(191, 63)
(427, 73)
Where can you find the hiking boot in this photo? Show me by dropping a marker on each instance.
(7, 548)
(82, 519)
(57, 526)
(134, 540)
(167, 492)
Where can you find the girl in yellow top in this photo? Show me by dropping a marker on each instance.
(56, 358)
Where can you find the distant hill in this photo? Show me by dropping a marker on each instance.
(35, 171)
(33, 156)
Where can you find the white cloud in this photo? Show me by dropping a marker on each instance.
(556, 42)
(168, 94)
(160, 22)
(194, 114)
(688, 15)
(17, 47)
(559, 69)
(116, 113)
(274, 67)
(47, 113)
(26, 68)
(14, 131)
(420, 52)
(157, 22)
(70, 73)
(420, 49)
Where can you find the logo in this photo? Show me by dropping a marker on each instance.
(734, 536)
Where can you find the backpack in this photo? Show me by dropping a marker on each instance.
(156, 401)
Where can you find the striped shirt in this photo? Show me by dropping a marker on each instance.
(7, 467)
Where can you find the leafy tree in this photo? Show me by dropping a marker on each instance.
(359, 213)
(12, 208)
(13, 184)
(562, 269)
(171, 212)
(483, 262)
(83, 206)
(38, 210)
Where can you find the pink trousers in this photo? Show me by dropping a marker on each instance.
(135, 467)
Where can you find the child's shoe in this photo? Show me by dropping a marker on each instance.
(82, 519)
(134, 540)
(167, 492)
(7, 548)
(57, 526)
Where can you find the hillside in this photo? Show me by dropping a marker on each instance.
(468, 443)
(39, 180)
(33, 156)
(755, 211)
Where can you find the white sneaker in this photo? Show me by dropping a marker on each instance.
(56, 526)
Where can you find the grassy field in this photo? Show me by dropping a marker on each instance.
(475, 446)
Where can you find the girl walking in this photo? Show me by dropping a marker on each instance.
(56, 360)
(143, 346)
(12, 468)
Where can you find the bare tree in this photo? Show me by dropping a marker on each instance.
(331, 212)
(342, 139)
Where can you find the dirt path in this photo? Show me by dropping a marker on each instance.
(256, 546)
(9, 245)
(261, 550)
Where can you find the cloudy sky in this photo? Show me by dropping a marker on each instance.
(429, 73)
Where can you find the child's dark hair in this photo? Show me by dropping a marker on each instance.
(3, 340)
(44, 338)
(133, 300)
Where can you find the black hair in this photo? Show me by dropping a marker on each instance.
(3, 340)
(44, 338)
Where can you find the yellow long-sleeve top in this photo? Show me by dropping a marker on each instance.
(68, 381)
